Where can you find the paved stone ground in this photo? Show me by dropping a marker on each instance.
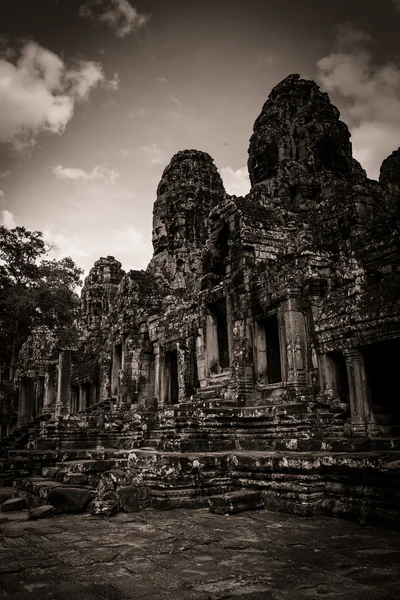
(193, 555)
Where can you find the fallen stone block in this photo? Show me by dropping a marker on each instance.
(133, 498)
(13, 504)
(6, 493)
(69, 499)
(103, 508)
(41, 512)
(75, 479)
(236, 502)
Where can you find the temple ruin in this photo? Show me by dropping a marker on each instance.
(253, 363)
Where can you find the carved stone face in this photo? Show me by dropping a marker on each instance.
(159, 236)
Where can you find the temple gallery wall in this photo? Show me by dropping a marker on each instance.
(256, 356)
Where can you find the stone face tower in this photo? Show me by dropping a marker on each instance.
(189, 189)
(299, 123)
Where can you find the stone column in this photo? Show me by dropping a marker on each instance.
(81, 398)
(211, 345)
(200, 358)
(295, 340)
(157, 375)
(63, 403)
(362, 417)
(50, 389)
(104, 377)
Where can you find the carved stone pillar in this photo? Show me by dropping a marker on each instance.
(50, 389)
(295, 340)
(63, 403)
(362, 418)
(104, 377)
(157, 375)
(81, 398)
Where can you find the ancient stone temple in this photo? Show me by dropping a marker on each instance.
(254, 363)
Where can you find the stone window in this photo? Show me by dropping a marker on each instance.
(87, 394)
(381, 364)
(268, 350)
(26, 399)
(339, 373)
(171, 383)
(75, 399)
(96, 308)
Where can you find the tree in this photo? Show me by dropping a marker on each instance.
(33, 290)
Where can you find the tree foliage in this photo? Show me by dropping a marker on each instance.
(33, 290)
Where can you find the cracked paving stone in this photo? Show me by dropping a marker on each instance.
(191, 560)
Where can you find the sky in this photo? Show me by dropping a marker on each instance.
(96, 96)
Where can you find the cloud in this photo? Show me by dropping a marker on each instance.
(142, 112)
(113, 83)
(8, 219)
(266, 60)
(236, 182)
(5, 174)
(83, 78)
(65, 244)
(118, 15)
(162, 80)
(1, 194)
(38, 92)
(368, 95)
(98, 172)
(155, 155)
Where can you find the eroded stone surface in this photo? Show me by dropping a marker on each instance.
(186, 554)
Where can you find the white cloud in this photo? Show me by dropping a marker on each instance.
(368, 95)
(162, 80)
(236, 182)
(1, 194)
(155, 155)
(83, 78)
(98, 172)
(266, 60)
(65, 244)
(143, 112)
(8, 219)
(113, 83)
(38, 92)
(119, 15)
(5, 174)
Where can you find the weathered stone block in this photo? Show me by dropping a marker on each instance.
(236, 502)
(103, 508)
(13, 504)
(69, 499)
(6, 493)
(41, 512)
(133, 498)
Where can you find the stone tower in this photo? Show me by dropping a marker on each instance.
(189, 189)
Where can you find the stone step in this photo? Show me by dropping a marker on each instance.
(65, 498)
(236, 502)
(92, 465)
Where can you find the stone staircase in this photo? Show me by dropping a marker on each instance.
(20, 436)
(299, 460)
